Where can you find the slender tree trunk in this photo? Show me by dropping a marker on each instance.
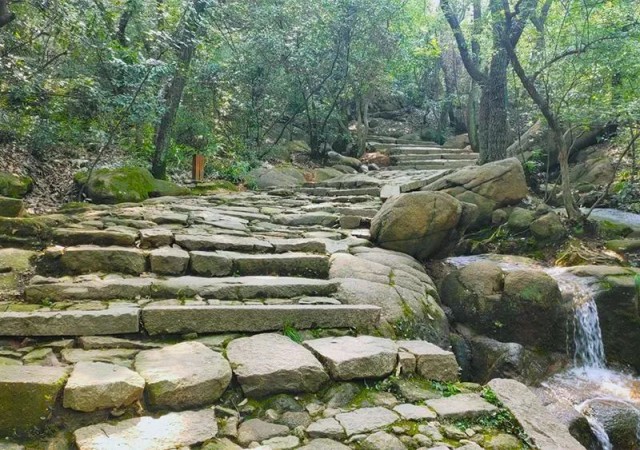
(173, 95)
(163, 132)
(362, 123)
(472, 117)
(492, 115)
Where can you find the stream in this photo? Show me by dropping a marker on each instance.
(589, 386)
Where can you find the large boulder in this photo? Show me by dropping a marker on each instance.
(489, 187)
(523, 306)
(14, 186)
(620, 420)
(125, 184)
(337, 158)
(398, 284)
(276, 177)
(421, 224)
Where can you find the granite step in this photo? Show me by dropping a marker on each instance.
(423, 150)
(434, 166)
(130, 288)
(434, 156)
(437, 163)
(255, 318)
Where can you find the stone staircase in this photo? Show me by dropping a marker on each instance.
(421, 155)
(245, 262)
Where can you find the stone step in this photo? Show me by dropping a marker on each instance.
(435, 156)
(255, 318)
(127, 288)
(175, 261)
(392, 140)
(431, 166)
(285, 264)
(438, 162)
(114, 320)
(424, 150)
(341, 193)
(246, 244)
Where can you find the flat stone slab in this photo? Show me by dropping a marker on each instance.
(283, 264)
(545, 430)
(78, 236)
(222, 242)
(365, 420)
(349, 358)
(461, 406)
(414, 412)
(432, 362)
(110, 321)
(183, 375)
(114, 259)
(228, 288)
(96, 385)
(326, 428)
(27, 396)
(272, 363)
(169, 261)
(324, 444)
(255, 318)
(171, 431)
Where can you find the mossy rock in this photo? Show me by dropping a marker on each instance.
(520, 219)
(325, 173)
(11, 207)
(612, 230)
(213, 187)
(162, 188)
(27, 397)
(126, 185)
(623, 246)
(548, 228)
(14, 186)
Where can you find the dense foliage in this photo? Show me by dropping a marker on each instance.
(162, 80)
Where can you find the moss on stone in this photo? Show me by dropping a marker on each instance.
(213, 187)
(14, 186)
(126, 184)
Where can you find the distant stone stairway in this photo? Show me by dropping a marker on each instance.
(421, 155)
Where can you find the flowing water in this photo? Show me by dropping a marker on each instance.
(589, 381)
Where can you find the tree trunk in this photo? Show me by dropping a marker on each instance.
(493, 129)
(472, 117)
(173, 95)
(563, 159)
(163, 132)
(362, 124)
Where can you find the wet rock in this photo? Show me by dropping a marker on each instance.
(349, 358)
(95, 385)
(183, 375)
(170, 431)
(620, 420)
(270, 363)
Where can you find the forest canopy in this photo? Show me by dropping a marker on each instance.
(162, 80)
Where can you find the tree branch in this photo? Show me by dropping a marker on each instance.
(463, 48)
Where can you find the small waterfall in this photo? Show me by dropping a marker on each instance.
(587, 335)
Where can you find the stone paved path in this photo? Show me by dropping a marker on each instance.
(160, 326)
